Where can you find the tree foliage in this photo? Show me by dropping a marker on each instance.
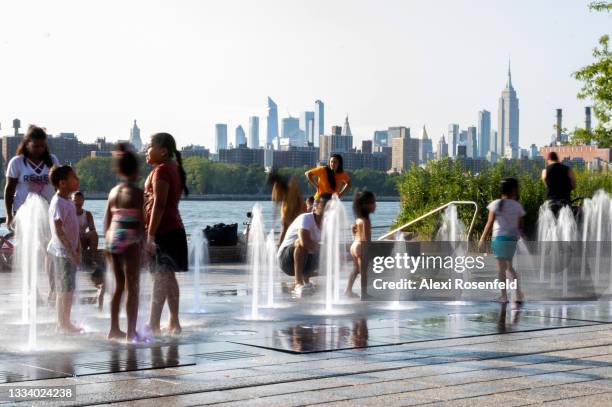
(596, 81)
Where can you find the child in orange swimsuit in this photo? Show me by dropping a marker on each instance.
(364, 204)
(124, 232)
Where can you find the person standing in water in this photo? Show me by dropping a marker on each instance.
(124, 235)
(330, 178)
(166, 238)
(560, 181)
(87, 229)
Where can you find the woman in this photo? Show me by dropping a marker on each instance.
(286, 193)
(330, 178)
(165, 233)
(28, 171)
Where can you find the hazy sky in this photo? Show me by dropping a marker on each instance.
(91, 67)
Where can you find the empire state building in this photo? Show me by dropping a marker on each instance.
(508, 119)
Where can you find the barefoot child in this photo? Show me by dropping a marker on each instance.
(506, 220)
(124, 232)
(87, 229)
(364, 204)
(63, 248)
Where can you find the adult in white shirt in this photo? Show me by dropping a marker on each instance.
(28, 171)
(298, 254)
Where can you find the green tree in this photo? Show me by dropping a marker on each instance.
(596, 81)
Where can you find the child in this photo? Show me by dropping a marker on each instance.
(309, 203)
(364, 204)
(64, 248)
(87, 229)
(506, 220)
(124, 231)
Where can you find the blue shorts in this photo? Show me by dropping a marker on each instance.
(504, 247)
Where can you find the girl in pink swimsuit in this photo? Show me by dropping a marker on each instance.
(124, 232)
(364, 204)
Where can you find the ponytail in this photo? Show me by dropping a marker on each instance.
(182, 174)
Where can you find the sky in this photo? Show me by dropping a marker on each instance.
(92, 67)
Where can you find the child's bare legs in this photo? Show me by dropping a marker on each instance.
(158, 298)
(173, 304)
(117, 262)
(502, 267)
(514, 276)
(352, 277)
(64, 307)
(132, 274)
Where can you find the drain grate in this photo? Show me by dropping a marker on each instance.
(120, 365)
(9, 377)
(226, 355)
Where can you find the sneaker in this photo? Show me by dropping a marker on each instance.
(298, 291)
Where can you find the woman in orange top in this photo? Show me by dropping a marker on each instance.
(330, 178)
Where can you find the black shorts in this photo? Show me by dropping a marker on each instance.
(172, 251)
(64, 274)
(286, 262)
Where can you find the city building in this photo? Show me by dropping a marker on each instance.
(453, 138)
(334, 143)
(346, 129)
(220, 137)
(508, 118)
(533, 152)
(484, 133)
(405, 153)
(253, 132)
(294, 157)
(472, 142)
(493, 142)
(442, 148)
(461, 151)
(511, 152)
(366, 146)
(272, 122)
(66, 147)
(195, 151)
(291, 130)
(397, 132)
(307, 126)
(587, 118)
(425, 146)
(242, 155)
(9, 147)
(135, 139)
(381, 138)
(354, 160)
(240, 139)
(319, 121)
(583, 152)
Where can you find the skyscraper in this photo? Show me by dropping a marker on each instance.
(272, 121)
(307, 126)
(442, 148)
(319, 121)
(472, 142)
(346, 130)
(425, 146)
(381, 138)
(493, 143)
(453, 138)
(220, 136)
(484, 133)
(135, 140)
(397, 131)
(253, 132)
(240, 137)
(291, 130)
(508, 118)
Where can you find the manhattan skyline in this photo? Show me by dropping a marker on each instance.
(180, 68)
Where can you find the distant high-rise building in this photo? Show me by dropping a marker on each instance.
(240, 137)
(559, 126)
(272, 122)
(484, 133)
(442, 148)
(508, 118)
(462, 141)
(135, 140)
(472, 142)
(16, 127)
(319, 120)
(346, 130)
(253, 132)
(461, 151)
(334, 143)
(291, 130)
(381, 138)
(220, 137)
(307, 126)
(493, 143)
(453, 138)
(398, 131)
(405, 153)
(587, 118)
(425, 146)
(366, 146)
(534, 152)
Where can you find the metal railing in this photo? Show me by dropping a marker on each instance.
(438, 209)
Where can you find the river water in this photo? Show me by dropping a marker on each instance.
(202, 213)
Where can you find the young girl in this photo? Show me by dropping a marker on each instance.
(506, 220)
(364, 204)
(124, 233)
(166, 238)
